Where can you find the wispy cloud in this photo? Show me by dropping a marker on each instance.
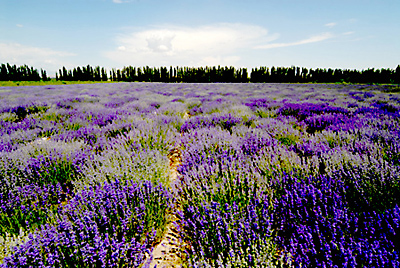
(331, 24)
(19, 25)
(313, 39)
(196, 46)
(121, 1)
(49, 59)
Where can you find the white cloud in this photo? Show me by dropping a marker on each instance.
(313, 39)
(348, 33)
(331, 24)
(217, 44)
(19, 25)
(37, 57)
(121, 1)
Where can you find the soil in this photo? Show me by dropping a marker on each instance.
(170, 251)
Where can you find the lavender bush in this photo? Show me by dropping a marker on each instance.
(111, 225)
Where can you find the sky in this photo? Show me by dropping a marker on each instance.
(346, 34)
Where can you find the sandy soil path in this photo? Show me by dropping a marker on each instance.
(169, 252)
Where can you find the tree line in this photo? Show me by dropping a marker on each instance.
(207, 74)
(319, 75)
(241, 75)
(21, 73)
(180, 74)
(84, 73)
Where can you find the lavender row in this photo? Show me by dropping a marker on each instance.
(317, 227)
(226, 170)
(111, 225)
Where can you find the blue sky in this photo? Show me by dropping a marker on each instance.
(347, 34)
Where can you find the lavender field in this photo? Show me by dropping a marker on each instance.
(270, 175)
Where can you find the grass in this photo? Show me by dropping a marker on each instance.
(53, 81)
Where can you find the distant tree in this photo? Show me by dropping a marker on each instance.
(119, 75)
(97, 73)
(113, 75)
(291, 74)
(3, 72)
(64, 75)
(44, 75)
(78, 74)
(104, 74)
(397, 75)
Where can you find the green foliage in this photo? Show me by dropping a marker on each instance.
(192, 105)
(288, 140)
(54, 116)
(263, 113)
(37, 109)
(72, 126)
(31, 217)
(9, 117)
(371, 190)
(57, 171)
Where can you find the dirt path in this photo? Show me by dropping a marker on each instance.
(170, 251)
